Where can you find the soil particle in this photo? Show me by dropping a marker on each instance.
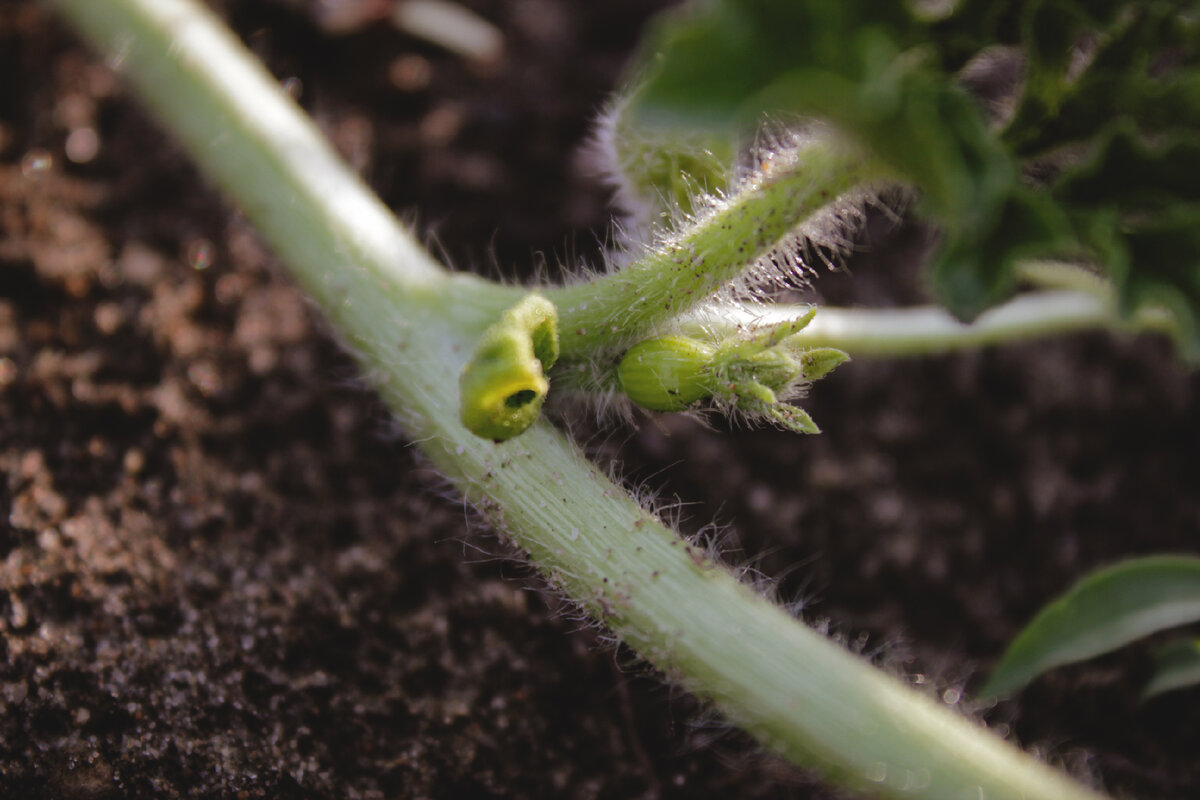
(223, 574)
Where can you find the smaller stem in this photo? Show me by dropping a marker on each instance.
(930, 329)
(722, 244)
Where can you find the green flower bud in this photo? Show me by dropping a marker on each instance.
(669, 373)
(754, 372)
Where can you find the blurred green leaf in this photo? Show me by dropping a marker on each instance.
(1094, 160)
(1176, 666)
(1105, 610)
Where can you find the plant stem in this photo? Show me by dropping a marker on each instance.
(931, 329)
(719, 246)
(412, 325)
(892, 333)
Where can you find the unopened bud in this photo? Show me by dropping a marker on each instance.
(668, 373)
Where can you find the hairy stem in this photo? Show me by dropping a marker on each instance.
(718, 246)
(412, 325)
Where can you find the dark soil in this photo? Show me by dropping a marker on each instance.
(225, 575)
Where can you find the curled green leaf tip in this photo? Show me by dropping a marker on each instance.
(750, 373)
(504, 384)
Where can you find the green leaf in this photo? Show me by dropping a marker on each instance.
(1105, 610)
(1176, 666)
(878, 73)
(1128, 78)
(865, 66)
(1136, 206)
(1096, 161)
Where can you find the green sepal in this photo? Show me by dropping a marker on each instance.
(820, 361)
(793, 418)
(774, 334)
(503, 386)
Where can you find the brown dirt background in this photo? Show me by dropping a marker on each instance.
(224, 573)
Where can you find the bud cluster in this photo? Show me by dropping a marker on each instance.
(754, 374)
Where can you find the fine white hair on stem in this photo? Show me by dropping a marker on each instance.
(656, 227)
(825, 237)
(601, 157)
(620, 155)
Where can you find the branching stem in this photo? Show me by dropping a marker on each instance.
(412, 325)
(720, 245)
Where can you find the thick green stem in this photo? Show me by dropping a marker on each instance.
(719, 246)
(413, 325)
